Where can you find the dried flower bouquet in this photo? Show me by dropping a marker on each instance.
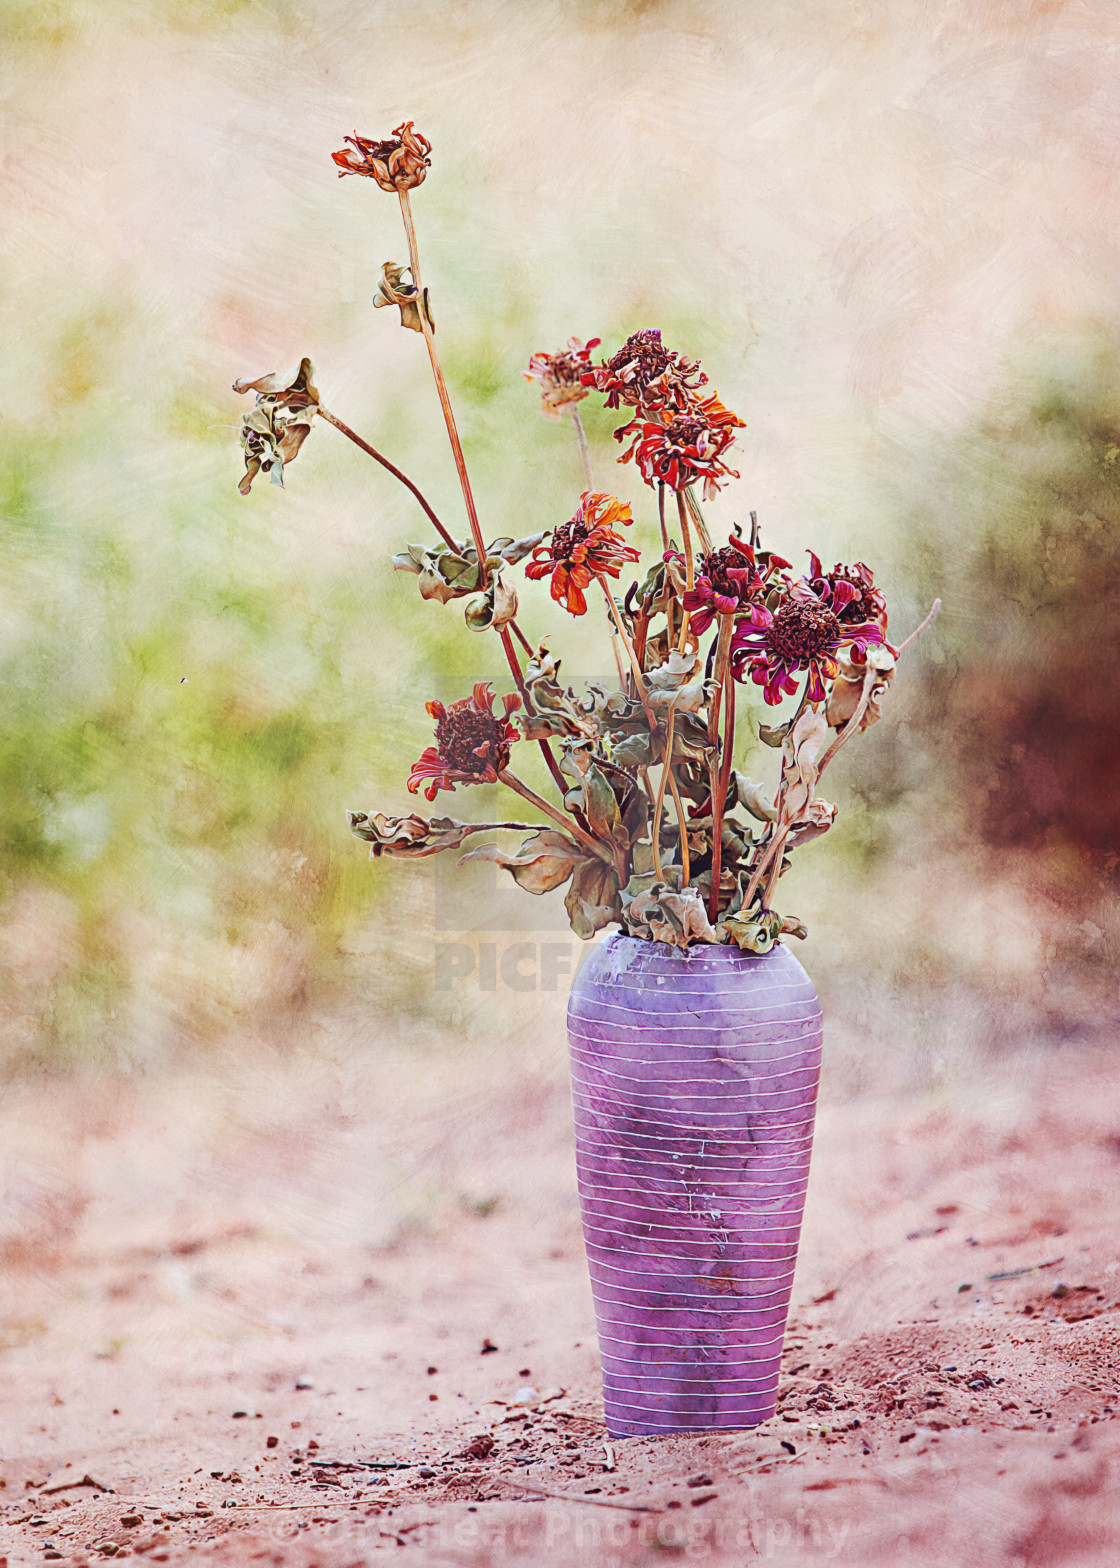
(653, 827)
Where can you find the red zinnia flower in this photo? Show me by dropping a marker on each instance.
(397, 164)
(646, 374)
(472, 742)
(729, 582)
(582, 548)
(805, 632)
(560, 375)
(689, 446)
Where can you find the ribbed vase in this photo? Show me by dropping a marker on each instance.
(694, 1083)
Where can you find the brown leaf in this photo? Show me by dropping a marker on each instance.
(664, 915)
(412, 837)
(542, 863)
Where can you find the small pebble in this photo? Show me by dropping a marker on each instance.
(700, 1480)
(425, 1473)
(107, 1548)
(130, 1521)
(272, 1442)
(488, 1348)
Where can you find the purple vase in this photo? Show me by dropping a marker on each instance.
(694, 1082)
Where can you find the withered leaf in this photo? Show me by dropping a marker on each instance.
(542, 863)
(392, 290)
(665, 915)
(411, 837)
(592, 901)
(494, 608)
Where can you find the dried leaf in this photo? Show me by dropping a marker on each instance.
(843, 699)
(755, 932)
(392, 291)
(273, 433)
(542, 863)
(494, 608)
(752, 798)
(597, 797)
(680, 681)
(800, 751)
(772, 734)
(410, 838)
(663, 914)
(592, 900)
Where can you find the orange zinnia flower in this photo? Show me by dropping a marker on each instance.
(582, 548)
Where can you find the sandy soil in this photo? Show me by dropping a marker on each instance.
(247, 1313)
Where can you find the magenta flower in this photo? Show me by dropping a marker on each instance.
(728, 583)
(804, 633)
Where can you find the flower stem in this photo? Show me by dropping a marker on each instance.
(441, 388)
(628, 645)
(566, 823)
(698, 519)
(719, 798)
(521, 637)
(661, 515)
(395, 471)
(716, 773)
(584, 450)
(666, 768)
(682, 512)
(924, 627)
(682, 829)
(519, 682)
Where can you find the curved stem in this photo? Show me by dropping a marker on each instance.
(775, 843)
(924, 627)
(394, 470)
(584, 450)
(775, 873)
(441, 388)
(566, 823)
(715, 770)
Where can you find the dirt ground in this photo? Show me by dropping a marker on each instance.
(312, 1306)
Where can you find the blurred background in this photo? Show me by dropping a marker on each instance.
(888, 231)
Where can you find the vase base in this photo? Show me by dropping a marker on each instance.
(678, 1425)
